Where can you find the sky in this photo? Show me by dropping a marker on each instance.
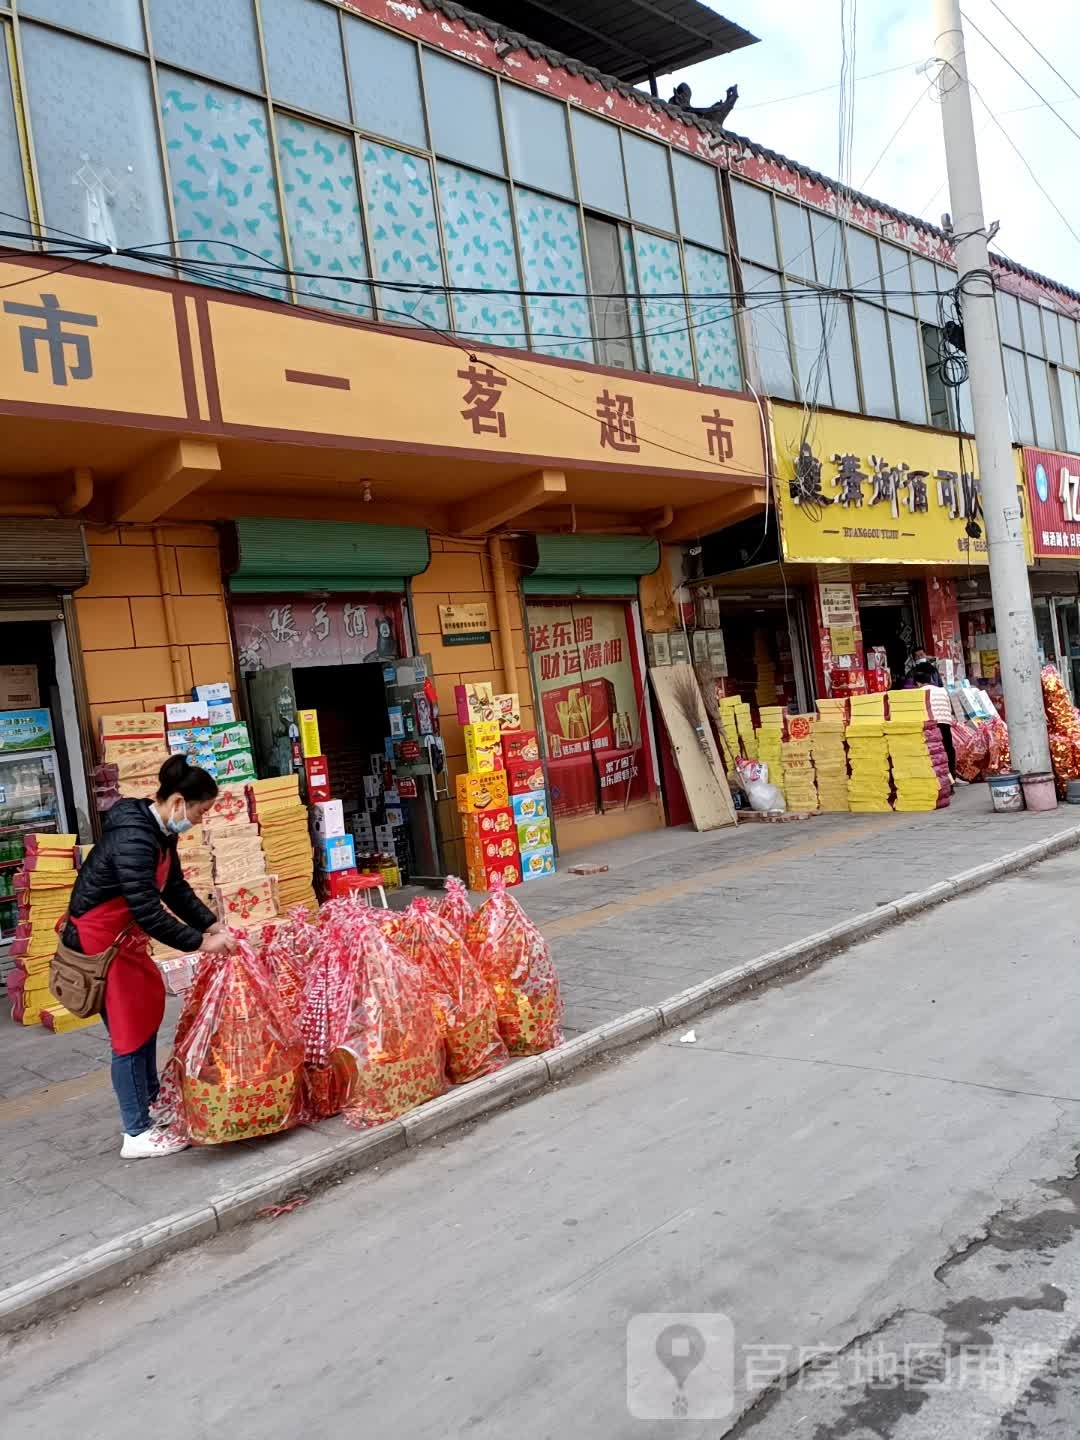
(800, 51)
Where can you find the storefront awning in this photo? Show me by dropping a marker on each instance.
(42, 557)
(300, 556)
(591, 564)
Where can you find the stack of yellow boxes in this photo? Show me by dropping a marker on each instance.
(920, 770)
(739, 724)
(800, 787)
(43, 887)
(830, 757)
(490, 834)
(770, 742)
(868, 789)
(275, 807)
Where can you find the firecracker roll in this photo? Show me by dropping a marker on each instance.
(464, 1007)
(515, 961)
(393, 1031)
(238, 1061)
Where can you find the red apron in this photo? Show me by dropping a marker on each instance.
(134, 989)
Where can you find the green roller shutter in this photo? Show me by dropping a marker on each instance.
(305, 555)
(591, 564)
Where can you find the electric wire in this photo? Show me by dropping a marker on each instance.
(1021, 76)
(1028, 41)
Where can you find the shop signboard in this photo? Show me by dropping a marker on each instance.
(301, 631)
(1053, 490)
(465, 624)
(23, 730)
(872, 491)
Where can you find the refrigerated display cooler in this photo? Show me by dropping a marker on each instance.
(31, 798)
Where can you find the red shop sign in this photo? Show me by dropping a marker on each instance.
(1053, 486)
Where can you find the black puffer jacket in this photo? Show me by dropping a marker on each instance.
(124, 862)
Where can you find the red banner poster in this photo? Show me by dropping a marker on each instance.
(1053, 485)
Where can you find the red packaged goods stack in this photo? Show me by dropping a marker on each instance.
(515, 961)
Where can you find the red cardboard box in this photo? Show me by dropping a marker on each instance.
(520, 745)
(489, 822)
(317, 774)
(483, 877)
(524, 775)
(333, 884)
(491, 848)
(579, 718)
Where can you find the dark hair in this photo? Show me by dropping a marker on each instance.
(923, 673)
(177, 777)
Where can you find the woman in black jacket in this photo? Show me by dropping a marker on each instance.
(118, 894)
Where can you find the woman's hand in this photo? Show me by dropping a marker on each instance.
(217, 942)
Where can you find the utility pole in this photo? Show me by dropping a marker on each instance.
(1014, 621)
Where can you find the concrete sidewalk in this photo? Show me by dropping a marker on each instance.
(674, 909)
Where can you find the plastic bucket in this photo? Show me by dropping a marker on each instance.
(1072, 792)
(1039, 791)
(1006, 793)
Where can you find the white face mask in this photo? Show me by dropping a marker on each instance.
(179, 827)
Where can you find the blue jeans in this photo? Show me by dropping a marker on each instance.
(135, 1080)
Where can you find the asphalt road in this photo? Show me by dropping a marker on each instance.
(853, 1198)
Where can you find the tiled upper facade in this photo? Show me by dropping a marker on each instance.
(402, 164)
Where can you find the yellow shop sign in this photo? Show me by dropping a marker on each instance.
(870, 491)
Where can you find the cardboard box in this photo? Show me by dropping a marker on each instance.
(482, 792)
(475, 703)
(233, 736)
(523, 776)
(482, 878)
(508, 711)
(491, 847)
(533, 806)
(537, 862)
(481, 735)
(308, 721)
(317, 775)
(188, 737)
(218, 690)
(335, 852)
(521, 745)
(327, 819)
(19, 687)
(394, 815)
(142, 725)
(485, 762)
(534, 834)
(334, 884)
(385, 837)
(490, 822)
(222, 712)
(186, 712)
(236, 767)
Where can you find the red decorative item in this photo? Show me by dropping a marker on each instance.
(455, 908)
(515, 961)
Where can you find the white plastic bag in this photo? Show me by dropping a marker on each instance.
(763, 796)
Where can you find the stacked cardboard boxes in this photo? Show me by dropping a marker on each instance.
(491, 847)
(42, 887)
(770, 743)
(830, 756)
(868, 752)
(920, 767)
(133, 750)
(738, 724)
(274, 806)
(528, 801)
(800, 786)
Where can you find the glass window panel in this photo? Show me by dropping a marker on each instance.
(841, 353)
(1052, 335)
(874, 360)
(12, 182)
(1069, 352)
(117, 20)
(940, 410)
(716, 341)
(925, 283)
(1009, 319)
(1070, 409)
(553, 261)
(385, 74)
(303, 51)
(478, 232)
(608, 283)
(908, 365)
(322, 208)
(1019, 402)
(795, 244)
(95, 140)
(598, 156)
(698, 196)
(768, 329)
(403, 236)
(637, 320)
(1042, 414)
(667, 338)
(537, 137)
(464, 115)
(863, 261)
(648, 181)
(828, 250)
(896, 279)
(222, 180)
(213, 37)
(754, 223)
(808, 338)
(960, 402)
(1030, 325)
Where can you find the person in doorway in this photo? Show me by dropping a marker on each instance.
(118, 894)
(922, 658)
(924, 676)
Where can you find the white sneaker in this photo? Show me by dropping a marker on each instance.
(150, 1144)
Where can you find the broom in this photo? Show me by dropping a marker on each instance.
(707, 689)
(687, 697)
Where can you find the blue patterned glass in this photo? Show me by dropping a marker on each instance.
(667, 337)
(223, 188)
(715, 339)
(553, 262)
(479, 235)
(322, 208)
(404, 236)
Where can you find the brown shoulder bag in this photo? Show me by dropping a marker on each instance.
(78, 980)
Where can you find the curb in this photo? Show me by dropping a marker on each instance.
(110, 1264)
